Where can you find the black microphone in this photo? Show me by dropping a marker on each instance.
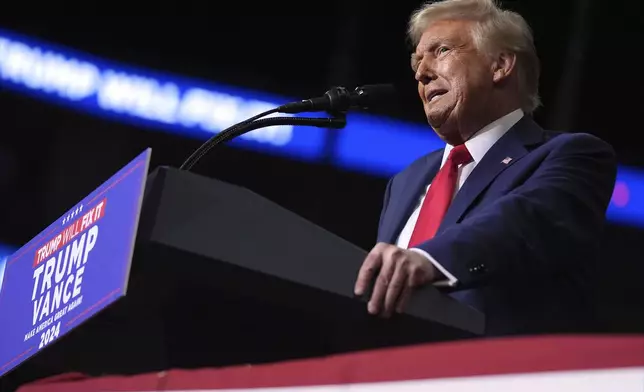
(340, 99)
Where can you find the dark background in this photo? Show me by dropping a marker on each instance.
(51, 157)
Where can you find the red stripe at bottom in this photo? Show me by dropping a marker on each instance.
(464, 360)
(456, 359)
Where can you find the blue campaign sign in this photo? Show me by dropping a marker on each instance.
(73, 269)
(147, 98)
(3, 263)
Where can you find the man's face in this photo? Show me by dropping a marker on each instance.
(455, 79)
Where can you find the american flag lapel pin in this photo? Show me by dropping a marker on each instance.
(506, 160)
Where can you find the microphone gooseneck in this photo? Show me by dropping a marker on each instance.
(247, 126)
(337, 101)
(195, 156)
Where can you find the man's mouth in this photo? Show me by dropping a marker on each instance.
(434, 95)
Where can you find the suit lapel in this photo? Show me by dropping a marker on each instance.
(505, 152)
(414, 186)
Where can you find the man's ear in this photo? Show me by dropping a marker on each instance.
(503, 66)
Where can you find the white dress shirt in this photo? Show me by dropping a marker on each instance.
(478, 146)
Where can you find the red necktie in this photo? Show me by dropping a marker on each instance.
(440, 195)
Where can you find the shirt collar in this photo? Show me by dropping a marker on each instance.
(479, 144)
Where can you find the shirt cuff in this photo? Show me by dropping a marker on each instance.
(450, 280)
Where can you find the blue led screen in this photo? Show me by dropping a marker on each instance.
(166, 102)
(5, 252)
(371, 144)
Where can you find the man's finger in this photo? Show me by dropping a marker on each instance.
(371, 264)
(380, 286)
(396, 286)
(403, 299)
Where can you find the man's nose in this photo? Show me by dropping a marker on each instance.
(425, 73)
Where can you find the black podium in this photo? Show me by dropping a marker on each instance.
(223, 276)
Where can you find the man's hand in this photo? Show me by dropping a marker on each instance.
(399, 272)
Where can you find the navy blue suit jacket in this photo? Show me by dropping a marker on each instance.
(520, 237)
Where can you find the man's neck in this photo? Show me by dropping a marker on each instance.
(485, 120)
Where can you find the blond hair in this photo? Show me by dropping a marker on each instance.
(494, 30)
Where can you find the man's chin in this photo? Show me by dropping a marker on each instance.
(444, 128)
(437, 119)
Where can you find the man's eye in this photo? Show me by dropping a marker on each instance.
(442, 49)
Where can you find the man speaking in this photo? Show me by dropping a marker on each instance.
(507, 217)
